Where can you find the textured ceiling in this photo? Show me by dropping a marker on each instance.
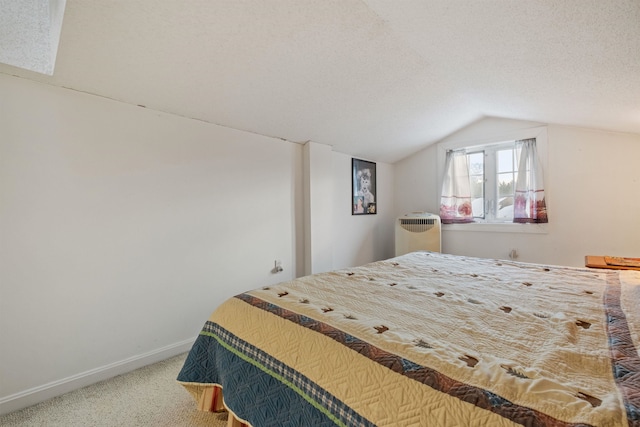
(377, 79)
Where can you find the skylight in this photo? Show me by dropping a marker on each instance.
(30, 32)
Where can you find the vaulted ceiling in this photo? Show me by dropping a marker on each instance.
(377, 79)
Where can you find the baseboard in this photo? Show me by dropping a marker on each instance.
(44, 392)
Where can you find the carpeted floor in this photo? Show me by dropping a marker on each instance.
(149, 396)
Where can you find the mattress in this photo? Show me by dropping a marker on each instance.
(426, 339)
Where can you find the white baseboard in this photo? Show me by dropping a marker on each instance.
(44, 392)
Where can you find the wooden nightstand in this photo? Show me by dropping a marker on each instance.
(593, 261)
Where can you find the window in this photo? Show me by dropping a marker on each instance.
(493, 183)
(493, 170)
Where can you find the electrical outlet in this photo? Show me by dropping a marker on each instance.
(513, 254)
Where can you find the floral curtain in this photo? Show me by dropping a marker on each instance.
(455, 202)
(529, 203)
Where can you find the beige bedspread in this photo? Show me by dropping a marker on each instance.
(430, 339)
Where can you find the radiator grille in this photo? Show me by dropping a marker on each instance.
(417, 225)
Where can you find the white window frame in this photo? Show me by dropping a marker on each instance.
(539, 133)
(490, 166)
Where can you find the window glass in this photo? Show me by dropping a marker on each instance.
(507, 168)
(476, 178)
(493, 170)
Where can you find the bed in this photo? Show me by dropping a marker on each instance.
(426, 339)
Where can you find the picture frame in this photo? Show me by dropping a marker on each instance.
(363, 187)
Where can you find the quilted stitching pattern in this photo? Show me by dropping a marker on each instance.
(441, 325)
(275, 395)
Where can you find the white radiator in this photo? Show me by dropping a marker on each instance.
(418, 231)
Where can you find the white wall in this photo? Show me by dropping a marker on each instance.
(358, 239)
(593, 197)
(121, 229)
(318, 203)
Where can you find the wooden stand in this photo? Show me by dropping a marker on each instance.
(593, 261)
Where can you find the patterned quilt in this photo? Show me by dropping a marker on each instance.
(427, 339)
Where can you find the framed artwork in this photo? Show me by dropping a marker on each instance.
(363, 187)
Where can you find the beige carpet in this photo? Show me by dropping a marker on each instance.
(149, 396)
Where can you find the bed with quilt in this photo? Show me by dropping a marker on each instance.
(426, 339)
